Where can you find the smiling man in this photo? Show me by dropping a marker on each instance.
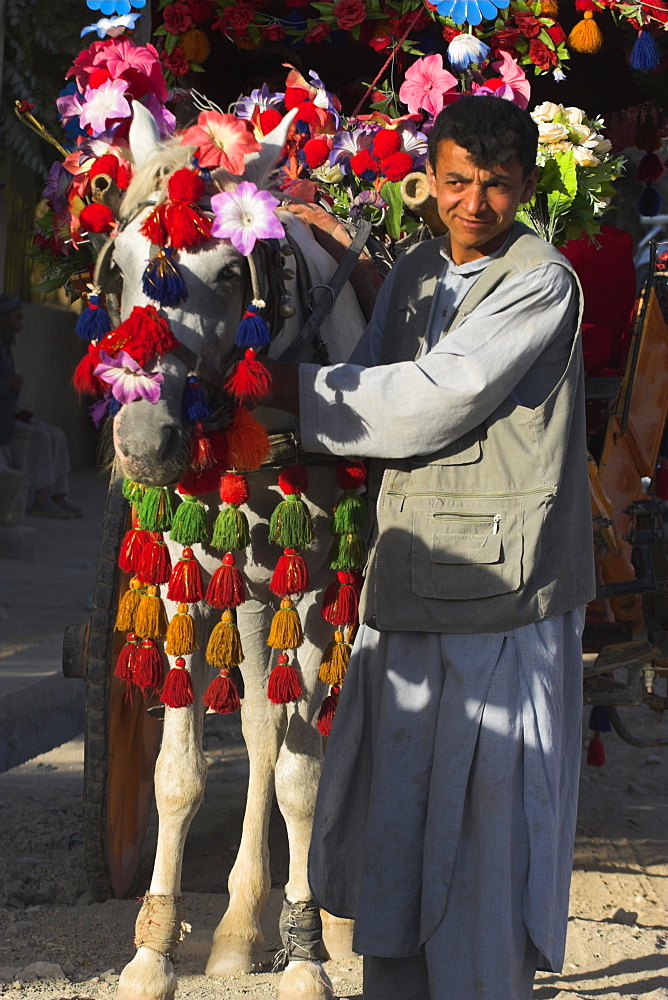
(446, 812)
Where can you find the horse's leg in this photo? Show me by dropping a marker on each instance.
(238, 942)
(180, 775)
(337, 937)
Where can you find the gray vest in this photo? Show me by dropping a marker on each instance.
(494, 531)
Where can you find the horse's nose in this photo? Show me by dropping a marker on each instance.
(170, 442)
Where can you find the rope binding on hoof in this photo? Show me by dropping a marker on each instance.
(160, 924)
(301, 933)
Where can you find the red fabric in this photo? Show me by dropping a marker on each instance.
(250, 381)
(284, 684)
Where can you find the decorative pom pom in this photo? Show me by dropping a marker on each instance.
(596, 751)
(350, 475)
(83, 380)
(335, 660)
(253, 330)
(97, 218)
(316, 152)
(286, 628)
(194, 406)
(293, 479)
(133, 492)
(94, 322)
(347, 552)
(269, 119)
(185, 583)
(162, 281)
(127, 609)
(155, 565)
(649, 203)
(224, 647)
(327, 712)
(340, 604)
(151, 617)
(201, 482)
(645, 55)
(599, 720)
(131, 549)
(181, 636)
(284, 683)
(290, 524)
(586, 36)
(290, 575)
(350, 514)
(386, 142)
(247, 441)
(127, 658)
(155, 512)
(221, 695)
(148, 667)
(226, 587)
(177, 691)
(650, 168)
(189, 522)
(186, 186)
(142, 335)
(250, 382)
(234, 489)
(230, 529)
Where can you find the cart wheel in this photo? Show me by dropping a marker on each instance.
(121, 739)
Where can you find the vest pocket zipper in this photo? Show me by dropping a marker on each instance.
(507, 495)
(471, 519)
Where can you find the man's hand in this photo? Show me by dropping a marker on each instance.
(285, 386)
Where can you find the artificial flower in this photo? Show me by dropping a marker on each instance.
(573, 116)
(470, 11)
(127, 379)
(465, 50)
(425, 84)
(541, 55)
(584, 157)
(549, 132)
(69, 106)
(222, 140)
(514, 77)
(349, 13)
(114, 6)
(112, 27)
(546, 111)
(318, 33)
(105, 104)
(244, 216)
(261, 99)
(55, 191)
(175, 61)
(124, 56)
(177, 18)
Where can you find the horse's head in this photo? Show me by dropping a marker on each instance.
(150, 439)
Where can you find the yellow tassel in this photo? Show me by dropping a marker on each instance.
(335, 660)
(586, 35)
(127, 609)
(549, 8)
(286, 628)
(181, 633)
(224, 648)
(351, 633)
(151, 617)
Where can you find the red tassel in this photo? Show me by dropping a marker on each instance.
(201, 451)
(127, 658)
(142, 335)
(226, 587)
(340, 604)
(250, 382)
(178, 691)
(149, 671)
(650, 168)
(132, 546)
(221, 695)
(155, 564)
(153, 228)
(185, 583)
(199, 483)
(186, 225)
(234, 488)
(596, 751)
(290, 575)
(284, 684)
(293, 479)
(327, 712)
(177, 222)
(350, 475)
(83, 380)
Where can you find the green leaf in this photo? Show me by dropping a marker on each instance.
(391, 192)
(170, 43)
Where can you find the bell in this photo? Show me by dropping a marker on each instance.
(287, 250)
(286, 309)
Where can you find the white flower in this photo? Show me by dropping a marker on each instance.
(465, 50)
(546, 111)
(551, 132)
(327, 174)
(603, 146)
(574, 116)
(558, 75)
(584, 157)
(583, 132)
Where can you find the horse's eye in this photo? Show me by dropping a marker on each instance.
(229, 272)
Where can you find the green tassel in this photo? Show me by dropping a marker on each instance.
(347, 552)
(290, 525)
(230, 530)
(155, 513)
(134, 492)
(189, 522)
(350, 513)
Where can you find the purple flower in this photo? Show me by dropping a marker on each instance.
(166, 121)
(244, 216)
(69, 106)
(413, 142)
(323, 99)
(105, 103)
(55, 191)
(261, 98)
(127, 379)
(366, 199)
(98, 410)
(346, 144)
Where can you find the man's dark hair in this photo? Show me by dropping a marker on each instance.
(490, 129)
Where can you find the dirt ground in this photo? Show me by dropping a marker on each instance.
(617, 934)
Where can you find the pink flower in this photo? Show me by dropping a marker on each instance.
(244, 216)
(222, 141)
(425, 84)
(127, 379)
(125, 56)
(513, 77)
(105, 104)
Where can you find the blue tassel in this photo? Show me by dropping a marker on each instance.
(645, 54)
(94, 321)
(162, 281)
(253, 330)
(649, 203)
(599, 720)
(194, 407)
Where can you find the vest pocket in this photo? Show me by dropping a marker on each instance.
(463, 554)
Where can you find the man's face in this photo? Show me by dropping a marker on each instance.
(477, 205)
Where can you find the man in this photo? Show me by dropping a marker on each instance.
(446, 812)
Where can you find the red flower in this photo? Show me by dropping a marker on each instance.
(237, 17)
(386, 142)
(528, 25)
(504, 39)
(556, 33)
(177, 18)
(296, 3)
(200, 10)
(363, 162)
(396, 166)
(450, 33)
(176, 62)
(273, 32)
(381, 40)
(348, 13)
(541, 56)
(316, 152)
(317, 34)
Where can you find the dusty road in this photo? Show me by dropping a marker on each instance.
(617, 936)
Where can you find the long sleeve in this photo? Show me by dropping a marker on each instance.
(417, 407)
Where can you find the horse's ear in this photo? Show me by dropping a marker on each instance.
(144, 136)
(260, 166)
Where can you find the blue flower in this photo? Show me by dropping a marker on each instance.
(464, 50)
(470, 11)
(111, 26)
(119, 7)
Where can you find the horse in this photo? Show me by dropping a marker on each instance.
(284, 746)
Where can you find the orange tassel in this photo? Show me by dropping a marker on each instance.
(335, 660)
(151, 617)
(224, 647)
(127, 609)
(178, 691)
(286, 628)
(284, 684)
(549, 8)
(586, 36)
(181, 634)
(247, 441)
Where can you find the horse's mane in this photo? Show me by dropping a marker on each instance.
(149, 179)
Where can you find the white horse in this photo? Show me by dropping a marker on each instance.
(284, 747)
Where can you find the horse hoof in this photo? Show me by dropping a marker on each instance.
(149, 976)
(305, 981)
(231, 957)
(337, 937)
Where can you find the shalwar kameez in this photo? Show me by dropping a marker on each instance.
(446, 813)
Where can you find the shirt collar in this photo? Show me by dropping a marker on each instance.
(472, 266)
